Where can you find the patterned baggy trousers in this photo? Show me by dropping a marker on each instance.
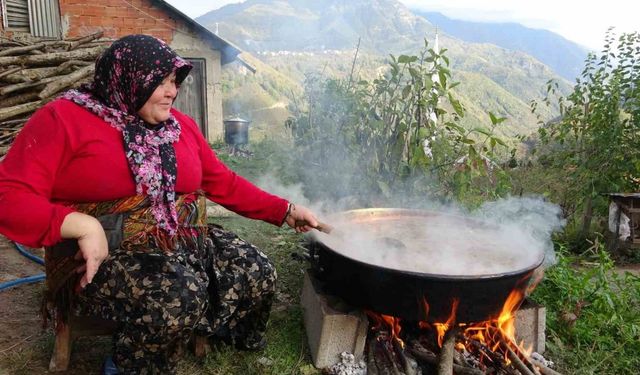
(223, 288)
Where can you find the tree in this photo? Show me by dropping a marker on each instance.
(400, 132)
(596, 139)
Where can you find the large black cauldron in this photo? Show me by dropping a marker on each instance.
(389, 289)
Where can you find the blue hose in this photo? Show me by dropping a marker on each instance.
(28, 279)
(24, 280)
(27, 254)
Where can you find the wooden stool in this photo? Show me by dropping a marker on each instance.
(78, 326)
(66, 333)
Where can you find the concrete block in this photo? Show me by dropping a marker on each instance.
(332, 326)
(530, 323)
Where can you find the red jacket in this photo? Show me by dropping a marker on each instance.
(67, 154)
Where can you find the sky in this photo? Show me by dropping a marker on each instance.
(581, 21)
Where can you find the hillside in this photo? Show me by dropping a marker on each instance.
(566, 58)
(298, 37)
(299, 25)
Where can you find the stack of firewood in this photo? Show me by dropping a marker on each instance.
(34, 73)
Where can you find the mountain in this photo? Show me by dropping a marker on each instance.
(563, 56)
(259, 25)
(297, 37)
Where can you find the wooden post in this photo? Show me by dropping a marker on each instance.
(61, 349)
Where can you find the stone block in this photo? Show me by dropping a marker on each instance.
(530, 324)
(332, 326)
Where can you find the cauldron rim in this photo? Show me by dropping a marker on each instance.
(440, 277)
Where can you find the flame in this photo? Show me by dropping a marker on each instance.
(443, 327)
(493, 334)
(501, 330)
(389, 321)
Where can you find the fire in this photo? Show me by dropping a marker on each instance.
(389, 321)
(443, 327)
(501, 330)
(496, 334)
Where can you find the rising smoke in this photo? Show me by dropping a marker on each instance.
(503, 236)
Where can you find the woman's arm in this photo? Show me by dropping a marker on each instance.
(27, 175)
(92, 242)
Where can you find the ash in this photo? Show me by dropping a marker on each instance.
(540, 358)
(347, 366)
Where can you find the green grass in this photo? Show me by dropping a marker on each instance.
(593, 314)
(287, 351)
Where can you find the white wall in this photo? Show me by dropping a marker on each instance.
(191, 46)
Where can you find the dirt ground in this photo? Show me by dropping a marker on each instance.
(19, 306)
(25, 346)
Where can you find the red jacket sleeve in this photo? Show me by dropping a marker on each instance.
(27, 175)
(225, 187)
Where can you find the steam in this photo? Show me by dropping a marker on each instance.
(530, 216)
(504, 236)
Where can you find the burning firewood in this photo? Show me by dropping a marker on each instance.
(476, 349)
(34, 73)
(445, 361)
(430, 358)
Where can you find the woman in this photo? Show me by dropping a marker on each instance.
(115, 169)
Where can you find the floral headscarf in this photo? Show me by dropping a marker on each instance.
(126, 75)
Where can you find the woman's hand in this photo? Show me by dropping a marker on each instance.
(92, 242)
(301, 218)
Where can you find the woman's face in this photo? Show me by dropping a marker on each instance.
(157, 107)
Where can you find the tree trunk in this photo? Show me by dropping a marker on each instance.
(587, 217)
(65, 81)
(9, 112)
(51, 58)
(20, 50)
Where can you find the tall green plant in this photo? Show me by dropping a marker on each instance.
(400, 132)
(596, 140)
(593, 319)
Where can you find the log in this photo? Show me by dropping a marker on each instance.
(508, 344)
(13, 123)
(544, 370)
(34, 74)
(12, 41)
(20, 50)
(372, 368)
(65, 81)
(9, 112)
(432, 359)
(10, 71)
(83, 40)
(9, 135)
(25, 85)
(18, 99)
(408, 367)
(445, 359)
(387, 353)
(517, 362)
(52, 58)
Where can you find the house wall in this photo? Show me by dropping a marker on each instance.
(190, 46)
(116, 19)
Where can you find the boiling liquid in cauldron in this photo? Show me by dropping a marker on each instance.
(439, 245)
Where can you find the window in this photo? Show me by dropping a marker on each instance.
(38, 17)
